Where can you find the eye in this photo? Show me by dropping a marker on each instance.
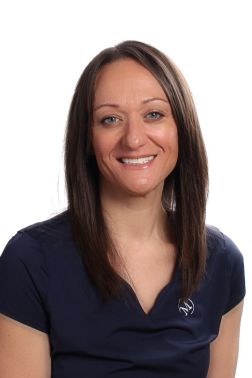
(154, 115)
(110, 120)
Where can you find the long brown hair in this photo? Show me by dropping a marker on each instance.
(185, 189)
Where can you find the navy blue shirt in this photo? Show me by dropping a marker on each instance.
(43, 284)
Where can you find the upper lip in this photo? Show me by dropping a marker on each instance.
(136, 157)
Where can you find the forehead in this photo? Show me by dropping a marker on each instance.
(126, 77)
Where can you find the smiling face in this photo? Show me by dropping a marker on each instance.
(134, 135)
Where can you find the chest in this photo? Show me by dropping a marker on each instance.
(148, 277)
(119, 337)
(89, 338)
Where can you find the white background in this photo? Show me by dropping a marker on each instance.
(45, 45)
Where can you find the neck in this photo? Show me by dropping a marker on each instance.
(137, 219)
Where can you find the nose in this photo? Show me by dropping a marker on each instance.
(134, 133)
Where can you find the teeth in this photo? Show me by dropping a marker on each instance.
(143, 160)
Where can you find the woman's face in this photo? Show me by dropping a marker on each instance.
(134, 134)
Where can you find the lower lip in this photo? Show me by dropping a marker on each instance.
(137, 166)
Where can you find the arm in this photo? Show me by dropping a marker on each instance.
(24, 351)
(224, 350)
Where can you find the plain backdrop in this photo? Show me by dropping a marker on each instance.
(45, 46)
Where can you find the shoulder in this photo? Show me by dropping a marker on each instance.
(31, 246)
(225, 268)
(221, 246)
(26, 270)
(49, 231)
(52, 229)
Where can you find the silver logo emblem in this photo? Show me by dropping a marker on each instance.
(186, 307)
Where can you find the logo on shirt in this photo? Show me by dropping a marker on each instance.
(186, 307)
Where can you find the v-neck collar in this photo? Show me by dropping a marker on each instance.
(159, 298)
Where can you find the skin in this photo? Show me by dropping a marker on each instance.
(24, 351)
(128, 127)
(132, 119)
(224, 350)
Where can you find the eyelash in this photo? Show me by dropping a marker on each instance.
(159, 115)
(107, 120)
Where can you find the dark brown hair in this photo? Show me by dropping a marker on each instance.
(185, 189)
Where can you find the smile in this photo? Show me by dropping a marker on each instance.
(138, 161)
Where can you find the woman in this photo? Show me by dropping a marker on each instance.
(128, 282)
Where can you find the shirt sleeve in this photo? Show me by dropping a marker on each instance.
(24, 282)
(236, 275)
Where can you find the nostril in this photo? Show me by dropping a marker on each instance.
(134, 139)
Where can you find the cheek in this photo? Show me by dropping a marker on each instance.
(174, 141)
(101, 150)
(97, 149)
(104, 143)
(168, 139)
(173, 137)
(97, 145)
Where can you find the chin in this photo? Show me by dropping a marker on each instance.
(142, 191)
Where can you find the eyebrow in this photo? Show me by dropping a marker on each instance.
(143, 102)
